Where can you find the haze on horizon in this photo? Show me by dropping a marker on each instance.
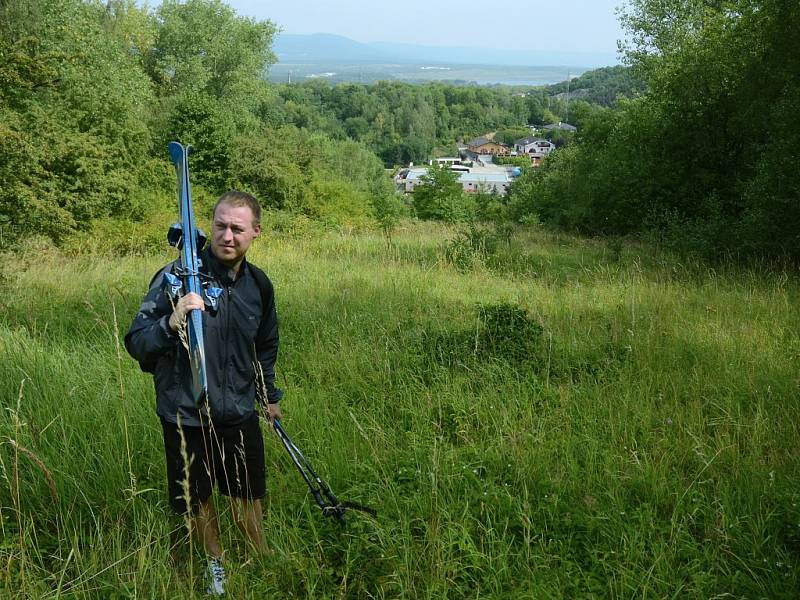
(563, 25)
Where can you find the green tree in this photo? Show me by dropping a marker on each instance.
(207, 65)
(74, 102)
(199, 120)
(603, 86)
(441, 197)
(295, 170)
(204, 46)
(703, 155)
(723, 77)
(510, 135)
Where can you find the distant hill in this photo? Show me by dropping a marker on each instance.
(493, 56)
(323, 47)
(601, 86)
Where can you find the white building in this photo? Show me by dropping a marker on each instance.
(534, 145)
(475, 179)
(446, 161)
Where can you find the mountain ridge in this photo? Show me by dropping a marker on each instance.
(328, 47)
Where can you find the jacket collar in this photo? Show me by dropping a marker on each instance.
(219, 270)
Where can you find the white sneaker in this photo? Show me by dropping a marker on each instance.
(216, 578)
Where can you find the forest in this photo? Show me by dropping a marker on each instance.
(705, 159)
(692, 144)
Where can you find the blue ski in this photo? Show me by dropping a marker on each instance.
(189, 241)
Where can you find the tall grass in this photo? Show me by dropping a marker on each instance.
(551, 419)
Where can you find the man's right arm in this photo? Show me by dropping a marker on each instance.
(150, 333)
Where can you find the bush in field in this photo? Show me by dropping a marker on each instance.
(471, 245)
(440, 197)
(507, 331)
(502, 332)
(335, 202)
(389, 209)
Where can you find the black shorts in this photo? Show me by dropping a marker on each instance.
(231, 457)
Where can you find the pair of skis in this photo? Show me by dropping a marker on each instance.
(187, 279)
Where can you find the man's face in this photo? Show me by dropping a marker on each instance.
(232, 232)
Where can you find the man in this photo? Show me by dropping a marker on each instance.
(220, 441)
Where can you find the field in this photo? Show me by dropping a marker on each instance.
(549, 417)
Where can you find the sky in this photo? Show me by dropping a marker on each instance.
(562, 25)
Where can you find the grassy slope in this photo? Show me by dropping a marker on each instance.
(639, 440)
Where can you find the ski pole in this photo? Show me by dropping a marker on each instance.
(330, 504)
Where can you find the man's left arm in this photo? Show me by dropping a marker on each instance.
(266, 343)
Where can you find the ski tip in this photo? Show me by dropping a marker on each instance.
(176, 152)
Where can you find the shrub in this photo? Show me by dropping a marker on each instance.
(471, 245)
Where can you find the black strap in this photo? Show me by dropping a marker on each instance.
(263, 283)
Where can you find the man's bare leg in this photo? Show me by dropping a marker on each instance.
(208, 529)
(248, 516)
(208, 532)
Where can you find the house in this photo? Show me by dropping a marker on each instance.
(483, 145)
(534, 145)
(474, 179)
(483, 180)
(407, 179)
(446, 161)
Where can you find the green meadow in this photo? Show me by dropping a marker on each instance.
(540, 417)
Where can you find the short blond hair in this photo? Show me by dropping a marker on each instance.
(237, 198)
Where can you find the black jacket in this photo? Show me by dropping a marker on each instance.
(239, 335)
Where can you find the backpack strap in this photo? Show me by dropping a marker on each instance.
(268, 392)
(170, 268)
(264, 285)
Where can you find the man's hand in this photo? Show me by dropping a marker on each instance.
(185, 304)
(272, 412)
